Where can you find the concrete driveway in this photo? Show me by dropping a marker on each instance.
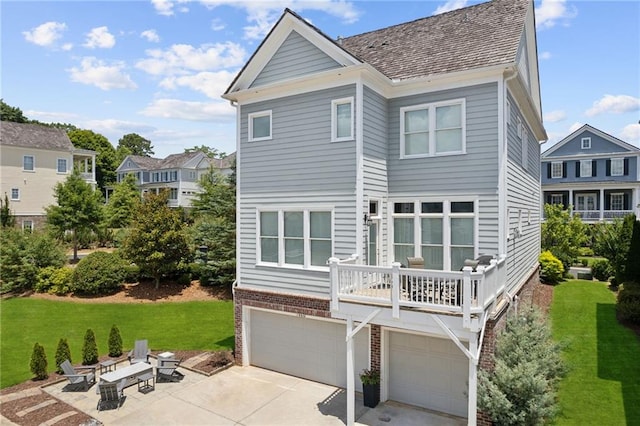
(243, 396)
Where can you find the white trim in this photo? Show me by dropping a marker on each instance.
(630, 148)
(11, 191)
(585, 143)
(618, 160)
(238, 193)
(359, 199)
(33, 160)
(66, 166)
(259, 114)
(334, 119)
(553, 163)
(584, 165)
(24, 222)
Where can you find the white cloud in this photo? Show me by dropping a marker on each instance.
(555, 116)
(186, 110)
(183, 58)
(575, 126)
(45, 34)
(97, 73)
(263, 15)
(631, 133)
(217, 24)
(67, 46)
(51, 117)
(614, 104)
(118, 127)
(150, 35)
(545, 55)
(165, 7)
(551, 11)
(211, 84)
(450, 5)
(100, 37)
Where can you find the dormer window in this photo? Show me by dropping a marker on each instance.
(585, 143)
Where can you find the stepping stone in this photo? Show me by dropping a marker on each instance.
(56, 419)
(195, 360)
(36, 407)
(19, 395)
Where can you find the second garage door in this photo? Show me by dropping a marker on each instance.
(305, 347)
(428, 372)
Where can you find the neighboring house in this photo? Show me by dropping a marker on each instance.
(417, 140)
(594, 174)
(178, 173)
(33, 159)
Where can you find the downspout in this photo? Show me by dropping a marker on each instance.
(359, 195)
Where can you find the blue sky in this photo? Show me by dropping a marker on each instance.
(158, 68)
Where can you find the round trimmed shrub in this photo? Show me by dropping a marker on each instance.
(601, 270)
(55, 280)
(99, 273)
(628, 306)
(552, 269)
(89, 348)
(39, 362)
(63, 353)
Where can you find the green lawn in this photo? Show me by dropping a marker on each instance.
(179, 326)
(603, 383)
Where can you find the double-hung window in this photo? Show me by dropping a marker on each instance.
(432, 129)
(557, 169)
(15, 194)
(586, 168)
(617, 166)
(62, 165)
(173, 193)
(28, 163)
(585, 143)
(342, 119)
(299, 238)
(260, 126)
(617, 201)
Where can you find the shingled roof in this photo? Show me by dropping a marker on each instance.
(34, 136)
(478, 36)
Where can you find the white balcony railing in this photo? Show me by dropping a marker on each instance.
(466, 292)
(589, 215)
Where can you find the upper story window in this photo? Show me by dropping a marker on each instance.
(260, 126)
(192, 175)
(15, 194)
(28, 163)
(62, 165)
(586, 168)
(519, 128)
(342, 119)
(298, 238)
(173, 193)
(432, 129)
(585, 143)
(557, 169)
(617, 167)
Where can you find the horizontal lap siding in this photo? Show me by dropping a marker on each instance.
(295, 57)
(476, 171)
(300, 156)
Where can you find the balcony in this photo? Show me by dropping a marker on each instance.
(598, 215)
(463, 292)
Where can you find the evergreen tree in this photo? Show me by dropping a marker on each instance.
(632, 270)
(79, 208)
(115, 342)
(7, 220)
(89, 348)
(9, 113)
(39, 362)
(63, 353)
(612, 241)
(122, 203)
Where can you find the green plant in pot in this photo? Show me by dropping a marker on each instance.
(370, 387)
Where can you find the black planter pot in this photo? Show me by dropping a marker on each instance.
(371, 395)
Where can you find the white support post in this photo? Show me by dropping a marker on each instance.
(395, 289)
(351, 392)
(466, 296)
(601, 202)
(473, 381)
(334, 282)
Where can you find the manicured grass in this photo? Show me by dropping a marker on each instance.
(590, 259)
(178, 326)
(602, 386)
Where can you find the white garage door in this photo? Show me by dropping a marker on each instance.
(309, 348)
(428, 372)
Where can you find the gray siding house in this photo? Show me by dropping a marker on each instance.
(388, 200)
(594, 174)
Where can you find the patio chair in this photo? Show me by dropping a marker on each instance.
(167, 370)
(140, 352)
(76, 377)
(111, 394)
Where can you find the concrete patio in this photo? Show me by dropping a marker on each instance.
(243, 396)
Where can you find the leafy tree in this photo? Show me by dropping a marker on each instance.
(122, 203)
(7, 220)
(134, 144)
(63, 353)
(157, 241)
(562, 234)
(115, 342)
(89, 348)
(209, 152)
(79, 208)
(9, 113)
(39, 362)
(106, 159)
(612, 242)
(632, 270)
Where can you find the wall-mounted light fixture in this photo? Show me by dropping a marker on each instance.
(367, 220)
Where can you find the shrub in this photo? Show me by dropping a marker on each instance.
(63, 353)
(585, 251)
(628, 306)
(552, 269)
(55, 280)
(601, 270)
(584, 262)
(39, 362)
(99, 273)
(632, 270)
(115, 342)
(89, 348)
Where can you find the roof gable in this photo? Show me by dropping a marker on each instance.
(601, 143)
(34, 136)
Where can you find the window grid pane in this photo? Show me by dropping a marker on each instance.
(62, 165)
(585, 168)
(343, 125)
(617, 202)
(448, 128)
(28, 162)
(261, 127)
(416, 132)
(617, 167)
(556, 170)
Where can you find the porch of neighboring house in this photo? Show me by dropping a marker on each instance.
(85, 161)
(595, 205)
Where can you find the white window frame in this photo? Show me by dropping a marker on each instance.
(33, 163)
(260, 114)
(27, 225)
(306, 265)
(555, 175)
(66, 169)
(173, 191)
(585, 201)
(585, 143)
(334, 120)
(556, 199)
(508, 112)
(586, 168)
(519, 127)
(617, 164)
(431, 107)
(525, 152)
(618, 196)
(17, 197)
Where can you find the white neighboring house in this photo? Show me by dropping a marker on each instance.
(33, 159)
(358, 155)
(178, 173)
